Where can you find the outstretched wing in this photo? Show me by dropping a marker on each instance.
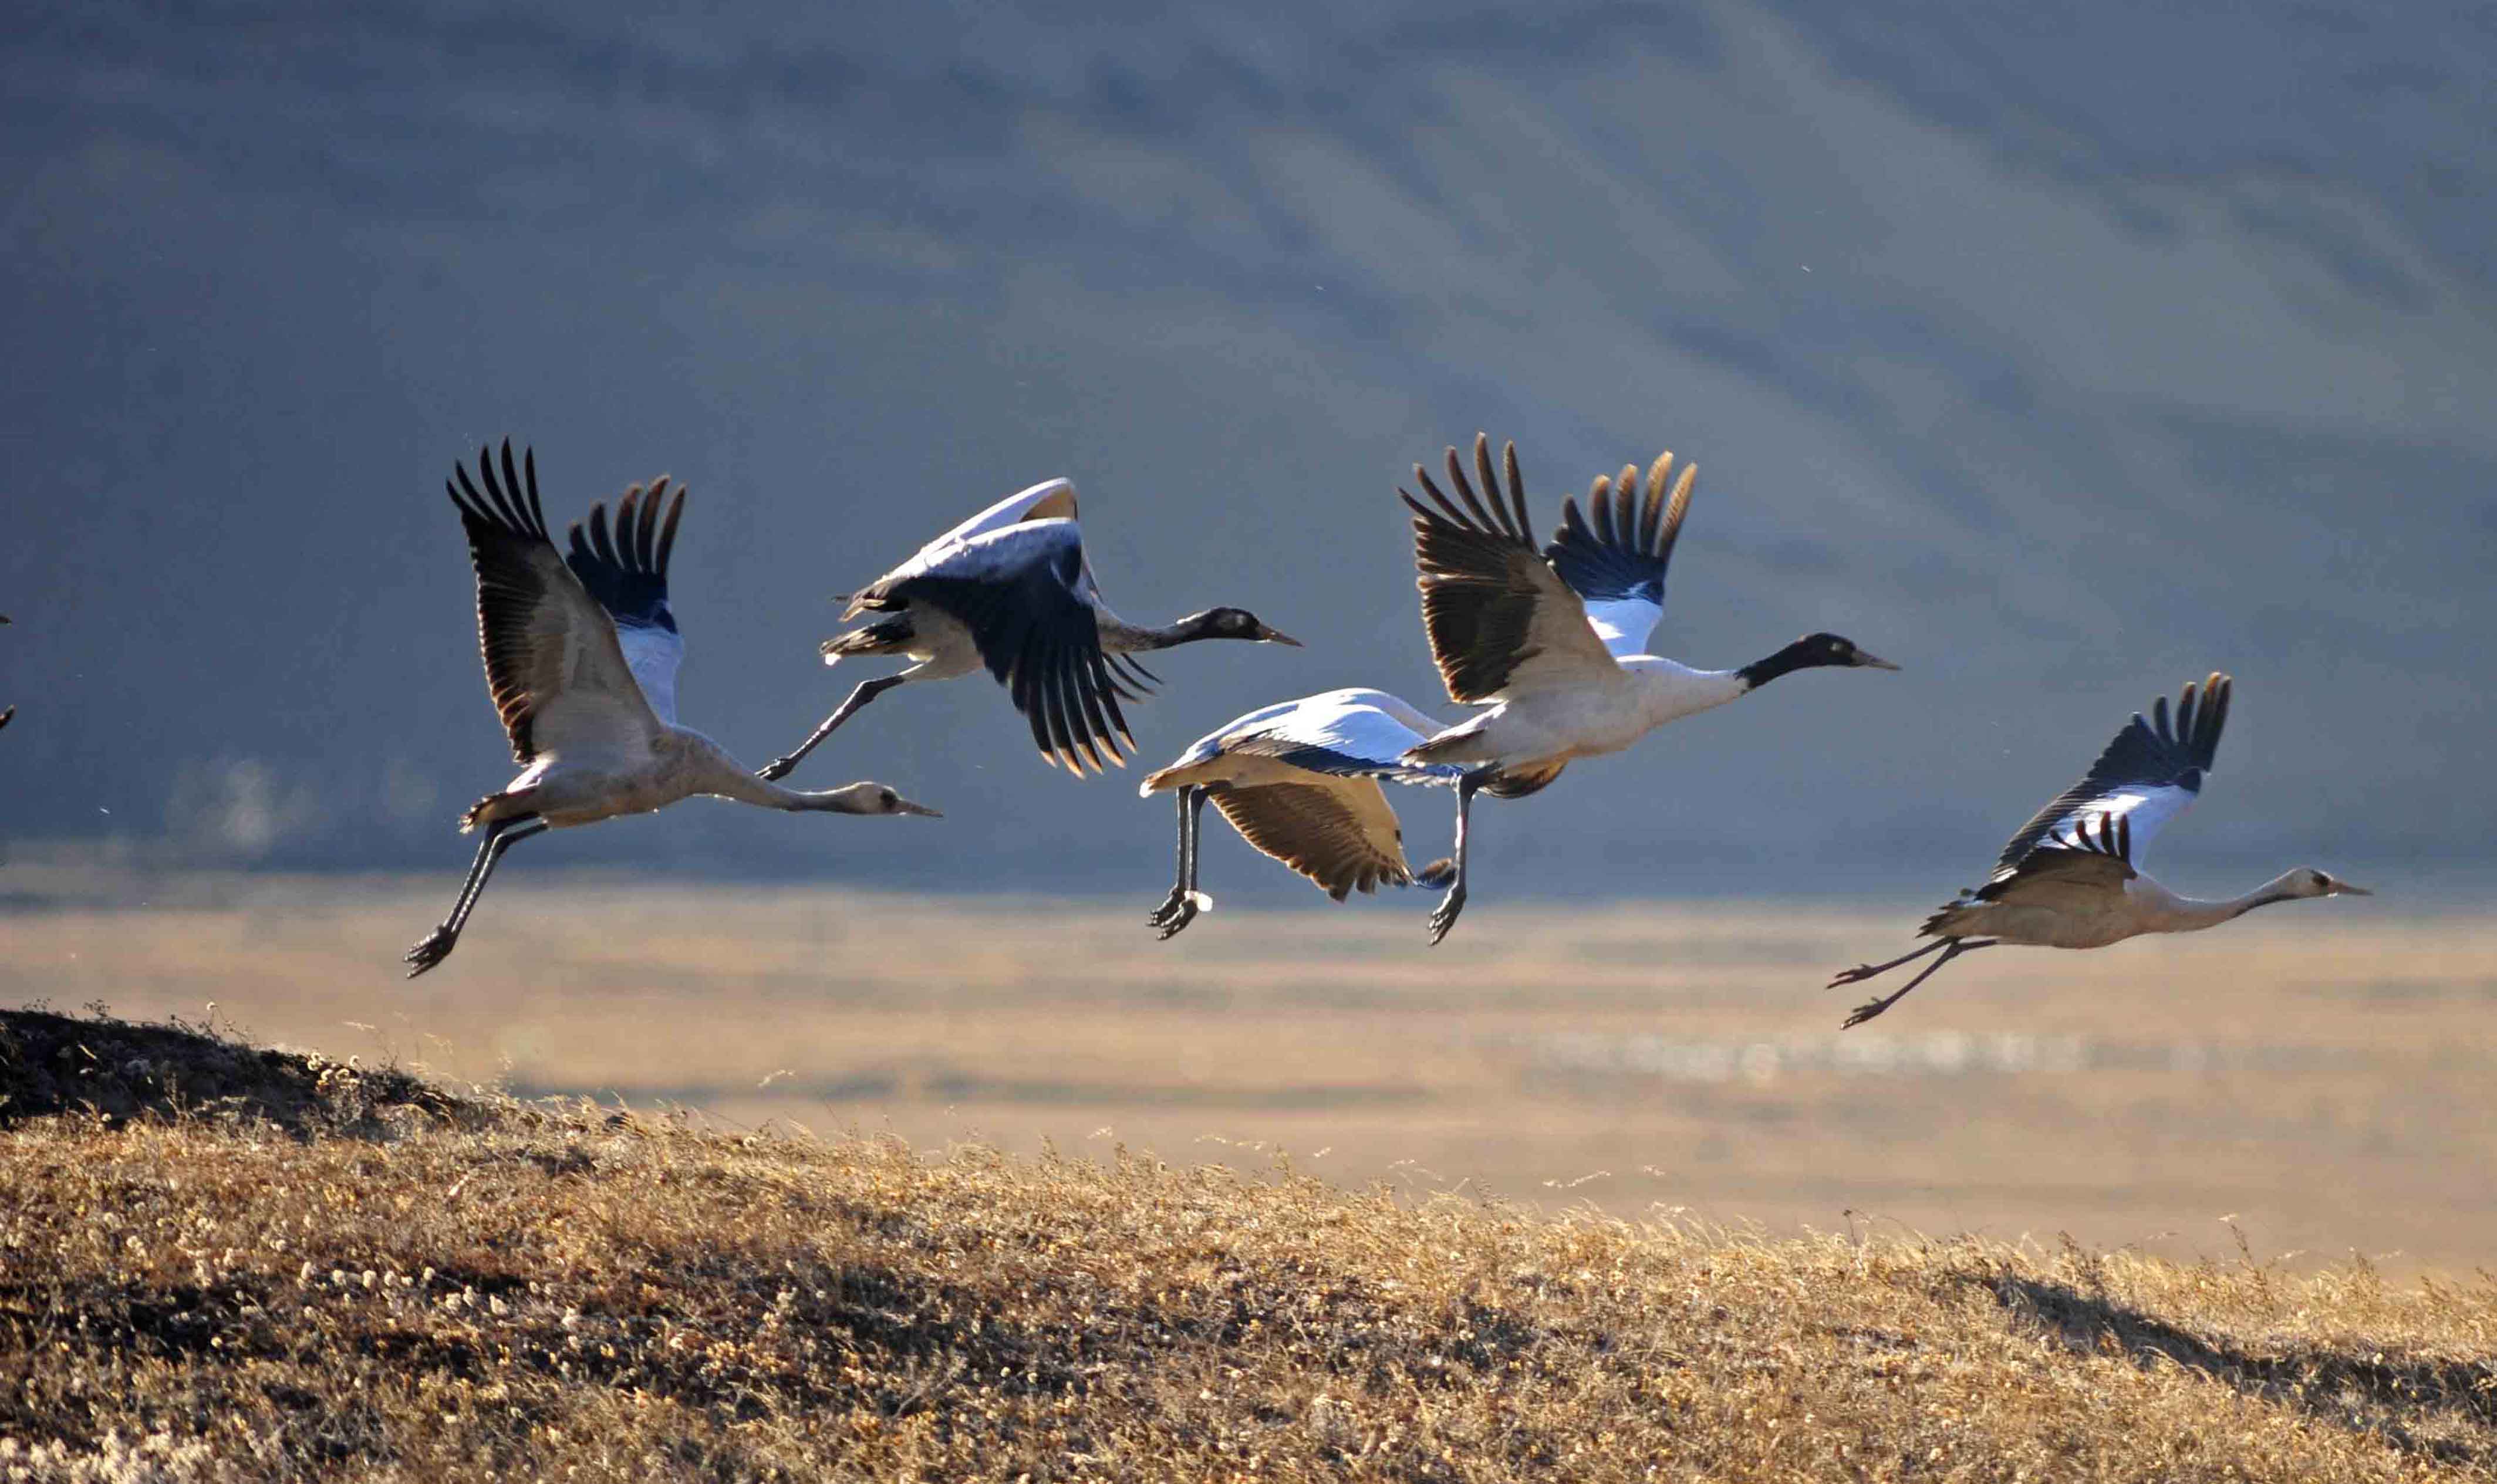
(2145, 777)
(1498, 618)
(628, 575)
(1350, 733)
(1615, 563)
(1052, 499)
(553, 665)
(1339, 832)
(2079, 881)
(1018, 591)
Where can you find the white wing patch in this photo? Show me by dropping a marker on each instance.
(2145, 810)
(1354, 733)
(653, 655)
(1624, 624)
(1349, 726)
(1351, 733)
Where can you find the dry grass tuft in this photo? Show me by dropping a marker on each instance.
(485, 1289)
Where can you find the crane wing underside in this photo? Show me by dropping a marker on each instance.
(1340, 834)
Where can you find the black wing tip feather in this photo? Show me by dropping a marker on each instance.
(1484, 514)
(508, 505)
(1465, 552)
(504, 517)
(1069, 701)
(1135, 674)
(627, 571)
(1065, 734)
(1074, 717)
(2107, 834)
(2201, 719)
(2184, 742)
(1622, 544)
(1057, 676)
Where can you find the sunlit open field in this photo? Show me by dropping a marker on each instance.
(2319, 1076)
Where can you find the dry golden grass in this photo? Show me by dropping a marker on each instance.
(404, 1285)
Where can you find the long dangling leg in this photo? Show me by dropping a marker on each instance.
(501, 835)
(1871, 1008)
(1185, 902)
(868, 690)
(1863, 972)
(500, 838)
(1192, 900)
(1444, 915)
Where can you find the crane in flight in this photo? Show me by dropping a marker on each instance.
(1009, 592)
(1550, 641)
(2070, 877)
(581, 652)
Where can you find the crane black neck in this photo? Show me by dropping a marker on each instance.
(1130, 638)
(1802, 654)
(1120, 637)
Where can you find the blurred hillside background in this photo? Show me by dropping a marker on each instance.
(2059, 356)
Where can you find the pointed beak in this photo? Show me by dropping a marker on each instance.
(905, 806)
(1266, 634)
(1873, 662)
(2345, 889)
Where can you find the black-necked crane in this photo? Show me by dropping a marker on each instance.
(1550, 639)
(1009, 591)
(1299, 781)
(581, 659)
(2070, 877)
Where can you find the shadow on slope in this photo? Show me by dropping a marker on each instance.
(119, 1070)
(2384, 1395)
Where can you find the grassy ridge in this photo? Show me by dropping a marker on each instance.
(398, 1284)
